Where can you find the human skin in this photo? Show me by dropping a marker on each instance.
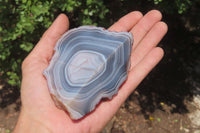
(38, 111)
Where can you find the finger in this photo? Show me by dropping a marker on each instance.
(109, 108)
(44, 48)
(150, 41)
(144, 25)
(140, 71)
(126, 22)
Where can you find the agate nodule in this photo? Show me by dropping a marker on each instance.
(89, 63)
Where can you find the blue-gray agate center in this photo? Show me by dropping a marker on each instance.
(89, 63)
(84, 67)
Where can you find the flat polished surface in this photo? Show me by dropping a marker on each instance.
(89, 63)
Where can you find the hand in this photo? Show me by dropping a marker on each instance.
(38, 111)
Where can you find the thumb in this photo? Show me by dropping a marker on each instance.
(44, 48)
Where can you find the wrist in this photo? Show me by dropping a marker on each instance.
(27, 124)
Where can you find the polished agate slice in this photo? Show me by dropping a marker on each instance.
(89, 63)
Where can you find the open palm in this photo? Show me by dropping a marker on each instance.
(39, 113)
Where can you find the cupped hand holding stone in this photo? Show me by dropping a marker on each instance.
(38, 111)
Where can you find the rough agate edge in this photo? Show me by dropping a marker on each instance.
(89, 63)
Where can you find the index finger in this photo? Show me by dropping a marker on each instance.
(127, 22)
